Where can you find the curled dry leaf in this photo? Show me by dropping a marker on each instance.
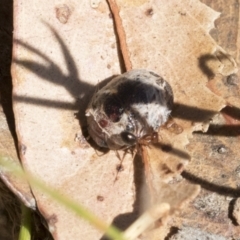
(54, 73)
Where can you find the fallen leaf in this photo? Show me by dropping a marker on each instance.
(55, 67)
(215, 155)
(54, 72)
(185, 60)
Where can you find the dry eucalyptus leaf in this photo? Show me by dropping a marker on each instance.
(172, 38)
(53, 68)
(8, 151)
(56, 65)
(185, 56)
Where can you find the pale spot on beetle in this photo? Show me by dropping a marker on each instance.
(63, 13)
(160, 81)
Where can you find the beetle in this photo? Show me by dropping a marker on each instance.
(129, 110)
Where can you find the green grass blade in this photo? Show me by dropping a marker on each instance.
(25, 228)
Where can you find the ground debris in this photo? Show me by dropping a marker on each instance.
(195, 234)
